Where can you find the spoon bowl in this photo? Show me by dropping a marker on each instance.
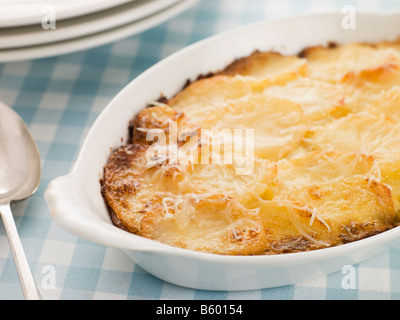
(20, 168)
(20, 172)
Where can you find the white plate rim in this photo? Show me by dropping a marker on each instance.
(94, 40)
(33, 35)
(13, 16)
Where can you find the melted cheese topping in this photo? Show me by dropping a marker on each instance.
(352, 60)
(321, 134)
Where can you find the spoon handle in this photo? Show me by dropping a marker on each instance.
(29, 287)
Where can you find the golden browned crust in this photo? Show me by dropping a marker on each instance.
(326, 145)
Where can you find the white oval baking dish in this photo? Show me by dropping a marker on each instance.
(77, 206)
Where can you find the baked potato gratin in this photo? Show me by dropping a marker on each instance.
(325, 154)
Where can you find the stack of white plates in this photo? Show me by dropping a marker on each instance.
(31, 29)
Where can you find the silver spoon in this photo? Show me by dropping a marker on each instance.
(20, 172)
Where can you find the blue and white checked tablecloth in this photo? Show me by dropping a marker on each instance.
(60, 97)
